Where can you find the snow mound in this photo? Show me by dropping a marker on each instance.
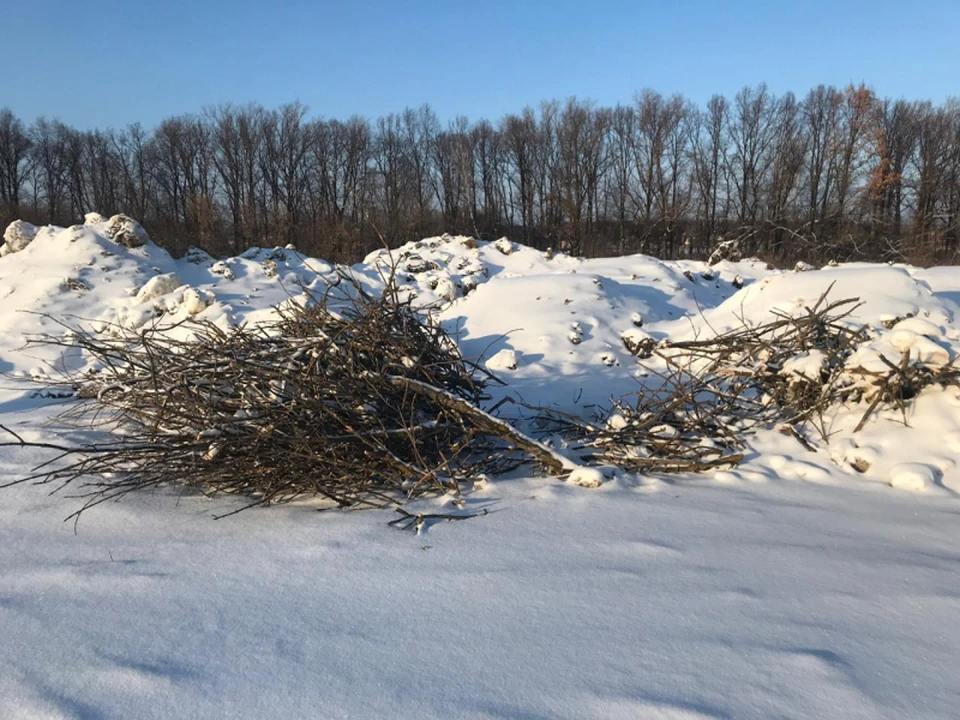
(126, 231)
(157, 286)
(587, 477)
(107, 273)
(915, 477)
(886, 296)
(503, 360)
(18, 235)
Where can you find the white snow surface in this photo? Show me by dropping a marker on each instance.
(799, 584)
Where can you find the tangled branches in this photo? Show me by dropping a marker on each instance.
(352, 397)
(363, 400)
(706, 394)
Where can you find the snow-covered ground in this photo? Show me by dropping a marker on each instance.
(793, 586)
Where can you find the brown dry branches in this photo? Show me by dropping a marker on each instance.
(702, 396)
(353, 397)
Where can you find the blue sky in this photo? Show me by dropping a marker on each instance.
(109, 63)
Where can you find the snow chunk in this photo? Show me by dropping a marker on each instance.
(221, 268)
(586, 477)
(94, 218)
(446, 289)
(126, 231)
(920, 327)
(616, 421)
(805, 366)
(902, 339)
(504, 246)
(928, 352)
(609, 359)
(725, 250)
(19, 234)
(416, 264)
(197, 256)
(503, 360)
(919, 347)
(158, 286)
(915, 477)
(193, 302)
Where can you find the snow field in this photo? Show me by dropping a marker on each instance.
(798, 584)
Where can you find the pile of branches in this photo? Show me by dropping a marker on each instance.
(353, 397)
(703, 396)
(362, 399)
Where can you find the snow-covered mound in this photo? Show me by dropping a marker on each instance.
(17, 236)
(495, 295)
(559, 331)
(886, 294)
(98, 275)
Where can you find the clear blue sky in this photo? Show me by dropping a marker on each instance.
(112, 62)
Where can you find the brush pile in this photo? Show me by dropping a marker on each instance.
(363, 400)
(702, 397)
(356, 398)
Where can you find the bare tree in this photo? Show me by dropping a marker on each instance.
(520, 138)
(620, 178)
(841, 174)
(489, 171)
(710, 163)
(821, 110)
(15, 144)
(753, 132)
(788, 155)
(658, 151)
(50, 166)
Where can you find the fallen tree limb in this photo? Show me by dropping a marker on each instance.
(552, 462)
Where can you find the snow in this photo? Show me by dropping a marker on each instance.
(503, 360)
(916, 477)
(805, 366)
(158, 286)
(798, 584)
(18, 235)
(586, 477)
(691, 601)
(124, 231)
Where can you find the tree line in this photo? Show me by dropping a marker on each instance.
(840, 174)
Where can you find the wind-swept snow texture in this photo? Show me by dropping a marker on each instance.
(797, 585)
